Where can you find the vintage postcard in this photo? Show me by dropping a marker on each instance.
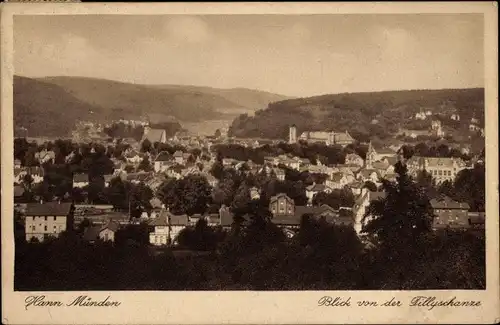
(250, 163)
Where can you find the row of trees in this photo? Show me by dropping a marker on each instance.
(122, 130)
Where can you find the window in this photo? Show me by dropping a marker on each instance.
(449, 173)
(440, 173)
(55, 218)
(45, 228)
(45, 218)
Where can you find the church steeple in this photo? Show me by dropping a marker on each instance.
(369, 156)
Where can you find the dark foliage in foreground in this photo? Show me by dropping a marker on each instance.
(258, 257)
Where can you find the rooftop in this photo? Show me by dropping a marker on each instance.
(48, 209)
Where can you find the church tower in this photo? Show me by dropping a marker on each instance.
(369, 156)
(292, 135)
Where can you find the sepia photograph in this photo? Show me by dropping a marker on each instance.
(250, 152)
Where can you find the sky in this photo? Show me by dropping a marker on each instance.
(294, 55)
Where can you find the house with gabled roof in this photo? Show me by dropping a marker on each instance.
(104, 232)
(174, 171)
(280, 173)
(80, 180)
(154, 135)
(49, 219)
(134, 157)
(45, 156)
(37, 174)
(140, 177)
(190, 171)
(181, 158)
(441, 168)
(383, 167)
(166, 228)
(288, 216)
(337, 181)
(368, 175)
(361, 205)
(377, 154)
(314, 189)
(354, 159)
(162, 161)
(449, 213)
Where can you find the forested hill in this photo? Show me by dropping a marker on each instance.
(50, 106)
(47, 109)
(363, 114)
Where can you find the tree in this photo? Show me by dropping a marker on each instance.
(167, 192)
(189, 195)
(241, 200)
(217, 170)
(200, 237)
(402, 217)
(146, 146)
(370, 186)
(195, 194)
(446, 189)
(29, 157)
(217, 133)
(469, 186)
(140, 196)
(116, 193)
(28, 181)
(145, 165)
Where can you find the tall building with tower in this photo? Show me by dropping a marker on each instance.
(292, 136)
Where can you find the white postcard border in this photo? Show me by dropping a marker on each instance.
(213, 307)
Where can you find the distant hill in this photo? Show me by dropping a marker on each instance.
(248, 100)
(362, 114)
(104, 100)
(47, 109)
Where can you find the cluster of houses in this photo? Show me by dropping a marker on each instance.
(50, 219)
(436, 127)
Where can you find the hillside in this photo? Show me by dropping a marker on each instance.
(47, 109)
(248, 100)
(356, 112)
(110, 100)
